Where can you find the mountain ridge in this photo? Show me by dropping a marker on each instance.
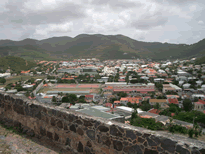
(99, 45)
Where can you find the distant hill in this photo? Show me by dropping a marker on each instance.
(15, 63)
(98, 46)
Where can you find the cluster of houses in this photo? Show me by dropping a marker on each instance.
(178, 80)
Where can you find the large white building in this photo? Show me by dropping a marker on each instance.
(5, 75)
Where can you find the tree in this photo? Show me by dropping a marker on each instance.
(2, 80)
(157, 106)
(188, 106)
(32, 95)
(65, 99)
(27, 94)
(53, 99)
(145, 106)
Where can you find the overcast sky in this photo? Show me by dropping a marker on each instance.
(172, 21)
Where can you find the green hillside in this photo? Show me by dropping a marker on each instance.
(16, 64)
(99, 46)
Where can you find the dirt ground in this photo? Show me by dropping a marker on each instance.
(13, 143)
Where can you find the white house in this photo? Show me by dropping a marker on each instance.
(187, 85)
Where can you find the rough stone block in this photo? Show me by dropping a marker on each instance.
(56, 137)
(91, 134)
(89, 144)
(130, 134)
(73, 128)
(68, 141)
(49, 135)
(42, 131)
(118, 145)
(59, 124)
(87, 123)
(135, 148)
(180, 149)
(19, 109)
(168, 145)
(103, 128)
(114, 131)
(149, 151)
(53, 121)
(80, 131)
(80, 147)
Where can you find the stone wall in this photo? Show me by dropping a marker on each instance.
(78, 133)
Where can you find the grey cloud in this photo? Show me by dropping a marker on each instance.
(62, 12)
(149, 21)
(177, 2)
(117, 4)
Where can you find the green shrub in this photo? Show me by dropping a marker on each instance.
(191, 132)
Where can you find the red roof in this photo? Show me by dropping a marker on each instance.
(198, 103)
(201, 101)
(108, 104)
(173, 100)
(141, 90)
(116, 101)
(172, 114)
(90, 96)
(155, 111)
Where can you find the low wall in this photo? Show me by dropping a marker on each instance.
(78, 133)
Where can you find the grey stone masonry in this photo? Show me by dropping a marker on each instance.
(80, 133)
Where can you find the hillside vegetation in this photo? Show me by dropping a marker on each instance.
(16, 64)
(99, 46)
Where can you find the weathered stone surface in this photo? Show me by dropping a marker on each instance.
(68, 141)
(151, 142)
(80, 131)
(53, 121)
(103, 128)
(145, 144)
(155, 139)
(114, 131)
(73, 128)
(130, 134)
(60, 124)
(54, 112)
(140, 140)
(117, 145)
(79, 122)
(202, 151)
(56, 137)
(97, 123)
(38, 115)
(8, 107)
(182, 150)
(19, 109)
(65, 127)
(91, 134)
(149, 151)
(159, 149)
(135, 148)
(106, 141)
(87, 123)
(89, 144)
(80, 147)
(16, 124)
(145, 135)
(87, 150)
(71, 117)
(168, 145)
(49, 135)
(110, 139)
(194, 151)
(42, 131)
